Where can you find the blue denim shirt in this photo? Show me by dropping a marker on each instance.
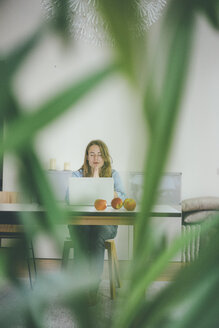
(118, 186)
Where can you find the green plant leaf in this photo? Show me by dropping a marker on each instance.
(151, 273)
(197, 284)
(166, 114)
(210, 8)
(162, 131)
(184, 302)
(123, 21)
(34, 179)
(25, 127)
(62, 16)
(10, 63)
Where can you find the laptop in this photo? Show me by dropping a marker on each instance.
(84, 191)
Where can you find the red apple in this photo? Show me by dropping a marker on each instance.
(100, 204)
(117, 203)
(129, 204)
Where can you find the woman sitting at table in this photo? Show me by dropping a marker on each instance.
(97, 164)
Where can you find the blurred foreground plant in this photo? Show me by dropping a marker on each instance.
(189, 301)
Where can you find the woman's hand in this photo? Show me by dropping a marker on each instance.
(115, 194)
(96, 172)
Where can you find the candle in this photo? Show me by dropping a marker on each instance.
(52, 164)
(66, 166)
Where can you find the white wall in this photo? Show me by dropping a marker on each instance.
(111, 112)
(195, 150)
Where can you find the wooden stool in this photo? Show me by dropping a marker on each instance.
(114, 275)
(113, 263)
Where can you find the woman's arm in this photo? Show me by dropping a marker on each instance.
(77, 174)
(118, 186)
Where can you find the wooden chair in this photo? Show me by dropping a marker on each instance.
(9, 231)
(9, 197)
(113, 263)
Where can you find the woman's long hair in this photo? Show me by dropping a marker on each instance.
(106, 169)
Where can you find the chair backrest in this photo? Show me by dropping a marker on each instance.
(59, 183)
(169, 191)
(9, 197)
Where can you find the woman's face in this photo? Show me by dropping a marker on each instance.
(95, 157)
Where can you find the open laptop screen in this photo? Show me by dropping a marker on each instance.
(84, 191)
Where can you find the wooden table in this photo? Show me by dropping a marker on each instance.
(90, 216)
(87, 215)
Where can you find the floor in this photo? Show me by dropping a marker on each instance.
(50, 265)
(55, 315)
